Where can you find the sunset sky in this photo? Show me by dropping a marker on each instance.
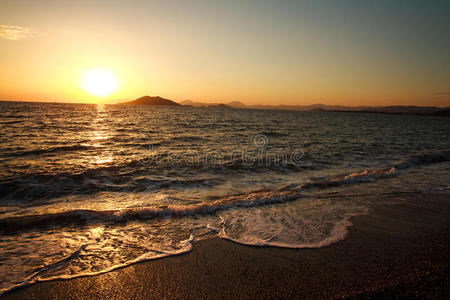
(256, 52)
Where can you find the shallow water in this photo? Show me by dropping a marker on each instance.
(85, 189)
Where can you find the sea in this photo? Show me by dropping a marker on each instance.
(86, 189)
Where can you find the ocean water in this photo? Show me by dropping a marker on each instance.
(85, 189)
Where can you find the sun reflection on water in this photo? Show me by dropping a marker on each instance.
(99, 137)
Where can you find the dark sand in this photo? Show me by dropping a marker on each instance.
(396, 251)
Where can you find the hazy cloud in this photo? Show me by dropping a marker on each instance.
(441, 94)
(14, 32)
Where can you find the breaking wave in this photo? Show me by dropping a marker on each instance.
(252, 199)
(145, 213)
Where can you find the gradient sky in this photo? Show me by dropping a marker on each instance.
(258, 52)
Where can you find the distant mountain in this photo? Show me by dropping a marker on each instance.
(313, 107)
(406, 110)
(220, 105)
(237, 104)
(442, 112)
(148, 100)
(193, 103)
(234, 104)
(400, 110)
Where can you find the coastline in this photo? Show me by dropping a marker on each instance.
(396, 250)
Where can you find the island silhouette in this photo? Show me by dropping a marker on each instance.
(149, 100)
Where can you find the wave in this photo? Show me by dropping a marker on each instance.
(282, 162)
(256, 198)
(274, 134)
(186, 138)
(83, 216)
(418, 159)
(90, 182)
(167, 160)
(356, 177)
(135, 175)
(10, 122)
(424, 158)
(52, 150)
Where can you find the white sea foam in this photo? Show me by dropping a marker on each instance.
(93, 250)
(90, 250)
(307, 223)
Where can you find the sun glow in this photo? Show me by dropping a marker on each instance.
(99, 82)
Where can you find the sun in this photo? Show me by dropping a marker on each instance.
(99, 82)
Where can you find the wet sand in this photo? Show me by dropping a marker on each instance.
(395, 251)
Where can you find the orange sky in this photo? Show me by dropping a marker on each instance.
(256, 52)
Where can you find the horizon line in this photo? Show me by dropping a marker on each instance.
(246, 105)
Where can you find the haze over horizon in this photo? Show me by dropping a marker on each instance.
(354, 53)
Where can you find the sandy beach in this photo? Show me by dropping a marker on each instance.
(395, 251)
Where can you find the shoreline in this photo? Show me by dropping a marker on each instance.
(395, 250)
